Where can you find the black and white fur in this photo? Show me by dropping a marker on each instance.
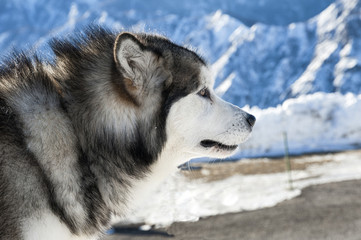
(85, 137)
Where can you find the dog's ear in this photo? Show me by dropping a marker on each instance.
(131, 57)
(128, 55)
(140, 66)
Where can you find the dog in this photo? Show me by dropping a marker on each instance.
(86, 135)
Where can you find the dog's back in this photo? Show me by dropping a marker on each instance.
(34, 131)
(16, 184)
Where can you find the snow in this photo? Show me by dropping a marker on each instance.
(314, 122)
(180, 199)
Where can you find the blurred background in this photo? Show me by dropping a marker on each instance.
(295, 65)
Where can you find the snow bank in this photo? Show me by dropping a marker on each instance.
(314, 123)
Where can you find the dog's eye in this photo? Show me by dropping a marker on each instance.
(204, 93)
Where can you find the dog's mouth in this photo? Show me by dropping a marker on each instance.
(210, 143)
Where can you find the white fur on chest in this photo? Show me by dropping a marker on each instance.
(166, 164)
(47, 226)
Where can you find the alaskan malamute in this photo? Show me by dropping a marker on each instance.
(85, 136)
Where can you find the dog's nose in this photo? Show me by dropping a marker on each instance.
(251, 120)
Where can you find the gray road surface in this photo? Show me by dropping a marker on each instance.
(330, 211)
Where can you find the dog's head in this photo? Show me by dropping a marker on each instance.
(162, 78)
(205, 124)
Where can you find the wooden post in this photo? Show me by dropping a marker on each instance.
(288, 161)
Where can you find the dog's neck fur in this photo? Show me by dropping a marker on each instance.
(140, 189)
(170, 158)
(113, 146)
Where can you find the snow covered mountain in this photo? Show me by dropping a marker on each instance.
(265, 65)
(262, 65)
(267, 54)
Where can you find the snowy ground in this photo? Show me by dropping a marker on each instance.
(181, 199)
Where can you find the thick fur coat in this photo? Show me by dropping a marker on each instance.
(87, 135)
